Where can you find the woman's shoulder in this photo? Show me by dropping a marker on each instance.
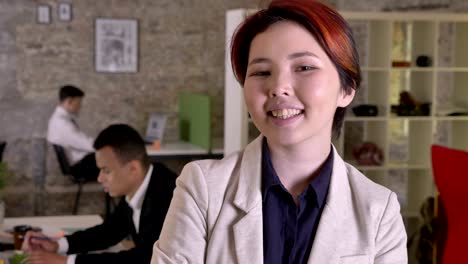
(372, 199)
(368, 190)
(210, 171)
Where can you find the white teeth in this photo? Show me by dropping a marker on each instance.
(285, 113)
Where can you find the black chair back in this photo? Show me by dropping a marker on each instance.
(2, 148)
(62, 159)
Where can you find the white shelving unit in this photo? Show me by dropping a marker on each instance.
(381, 38)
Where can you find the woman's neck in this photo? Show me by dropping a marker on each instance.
(297, 165)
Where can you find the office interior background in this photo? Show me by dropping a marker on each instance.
(181, 47)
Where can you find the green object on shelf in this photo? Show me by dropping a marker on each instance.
(195, 119)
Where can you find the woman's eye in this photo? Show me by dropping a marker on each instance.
(260, 73)
(305, 68)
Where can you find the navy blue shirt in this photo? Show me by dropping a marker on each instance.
(289, 230)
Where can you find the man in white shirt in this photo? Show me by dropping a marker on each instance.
(147, 190)
(63, 130)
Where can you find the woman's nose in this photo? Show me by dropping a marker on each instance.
(280, 85)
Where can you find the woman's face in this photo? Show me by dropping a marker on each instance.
(292, 88)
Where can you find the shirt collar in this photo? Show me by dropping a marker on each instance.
(63, 111)
(137, 200)
(269, 177)
(319, 184)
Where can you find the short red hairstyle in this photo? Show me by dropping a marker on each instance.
(327, 26)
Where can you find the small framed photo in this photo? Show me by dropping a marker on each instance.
(64, 11)
(43, 14)
(156, 126)
(116, 47)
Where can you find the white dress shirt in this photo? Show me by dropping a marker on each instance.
(136, 202)
(63, 130)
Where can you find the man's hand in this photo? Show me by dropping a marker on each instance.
(43, 257)
(31, 244)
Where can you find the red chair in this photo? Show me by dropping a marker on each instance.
(450, 168)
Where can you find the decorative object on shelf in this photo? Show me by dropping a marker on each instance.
(424, 61)
(368, 154)
(116, 45)
(155, 129)
(365, 110)
(398, 63)
(43, 14)
(64, 12)
(451, 109)
(408, 106)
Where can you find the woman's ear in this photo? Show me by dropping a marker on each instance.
(346, 97)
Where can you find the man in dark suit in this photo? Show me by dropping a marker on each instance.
(147, 189)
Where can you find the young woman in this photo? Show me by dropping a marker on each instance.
(288, 197)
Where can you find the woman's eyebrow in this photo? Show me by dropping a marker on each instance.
(301, 54)
(294, 55)
(258, 60)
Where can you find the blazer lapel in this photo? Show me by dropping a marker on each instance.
(248, 231)
(327, 242)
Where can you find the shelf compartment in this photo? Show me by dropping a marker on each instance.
(419, 84)
(420, 186)
(452, 93)
(379, 43)
(361, 36)
(423, 41)
(452, 134)
(410, 142)
(374, 85)
(453, 40)
(411, 40)
(358, 132)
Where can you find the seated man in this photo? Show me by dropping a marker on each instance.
(125, 171)
(63, 130)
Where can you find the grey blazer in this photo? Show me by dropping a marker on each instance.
(216, 216)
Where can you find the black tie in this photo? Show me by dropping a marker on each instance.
(75, 123)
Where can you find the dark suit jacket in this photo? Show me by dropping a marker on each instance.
(120, 225)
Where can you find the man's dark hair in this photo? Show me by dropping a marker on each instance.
(126, 143)
(70, 91)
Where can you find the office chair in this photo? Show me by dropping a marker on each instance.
(67, 170)
(2, 148)
(450, 169)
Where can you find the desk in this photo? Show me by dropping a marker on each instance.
(65, 222)
(182, 150)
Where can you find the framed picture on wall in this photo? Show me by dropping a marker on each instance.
(116, 45)
(43, 14)
(64, 12)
